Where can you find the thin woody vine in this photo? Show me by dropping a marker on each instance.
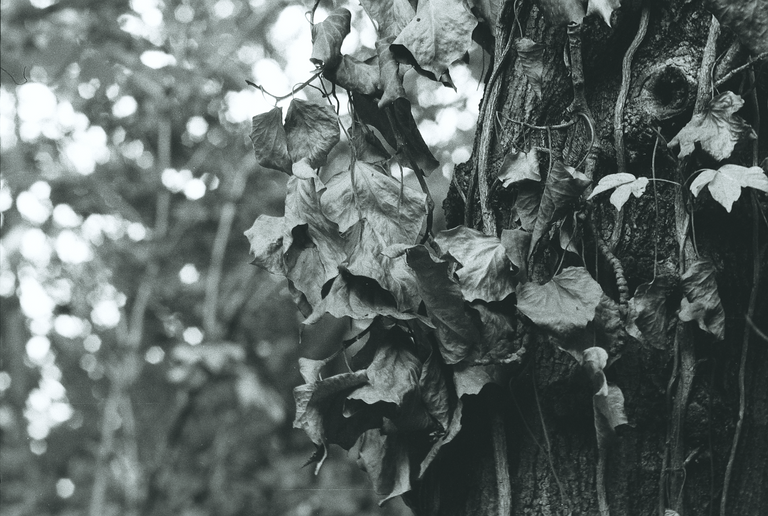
(435, 317)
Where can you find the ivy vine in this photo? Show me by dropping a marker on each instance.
(435, 316)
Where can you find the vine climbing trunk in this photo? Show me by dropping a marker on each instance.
(681, 393)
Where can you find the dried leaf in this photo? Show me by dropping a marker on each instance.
(386, 460)
(393, 374)
(650, 311)
(391, 16)
(531, 61)
(485, 272)
(445, 305)
(390, 75)
(310, 369)
(563, 187)
(414, 147)
(625, 184)
(527, 203)
(270, 142)
(359, 298)
(354, 75)
(748, 19)
(718, 129)
(517, 242)
(519, 166)
(367, 146)
(725, 184)
(702, 301)
(451, 433)
(434, 390)
(439, 35)
(563, 305)
(312, 399)
(327, 37)
(607, 400)
(266, 239)
(312, 131)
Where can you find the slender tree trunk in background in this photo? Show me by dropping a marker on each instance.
(681, 399)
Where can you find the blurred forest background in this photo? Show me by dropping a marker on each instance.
(146, 367)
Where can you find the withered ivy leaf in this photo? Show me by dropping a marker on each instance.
(563, 305)
(312, 131)
(562, 12)
(702, 301)
(303, 206)
(725, 184)
(485, 272)
(532, 62)
(439, 35)
(519, 166)
(563, 187)
(498, 333)
(451, 432)
(748, 19)
(367, 146)
(650, 311)
(266, 239)
(355, 75)
(391, 16)
(434, 390)
(386, 460)
(516, 243)
(366, 258)
(327, 37)
(304, 268)
(527, 203)
(400, 110)
(390, 75)
(270, 142)
(394, 211)
(603, 8)
(310, 369)
(312, 398)
(625, 185)
(718, 129)
(359, 298)
(445, 305)
(489, 10)
(393, 374)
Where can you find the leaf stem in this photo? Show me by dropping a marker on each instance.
(294, 90)
(740, 69)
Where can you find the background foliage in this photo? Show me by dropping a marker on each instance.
(146, 367)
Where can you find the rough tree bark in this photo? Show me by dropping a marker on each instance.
(682, 399)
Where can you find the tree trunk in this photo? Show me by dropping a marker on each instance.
(682, 398)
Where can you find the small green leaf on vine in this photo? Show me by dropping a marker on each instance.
(725, 183)
(718, 129)
(625, 184)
